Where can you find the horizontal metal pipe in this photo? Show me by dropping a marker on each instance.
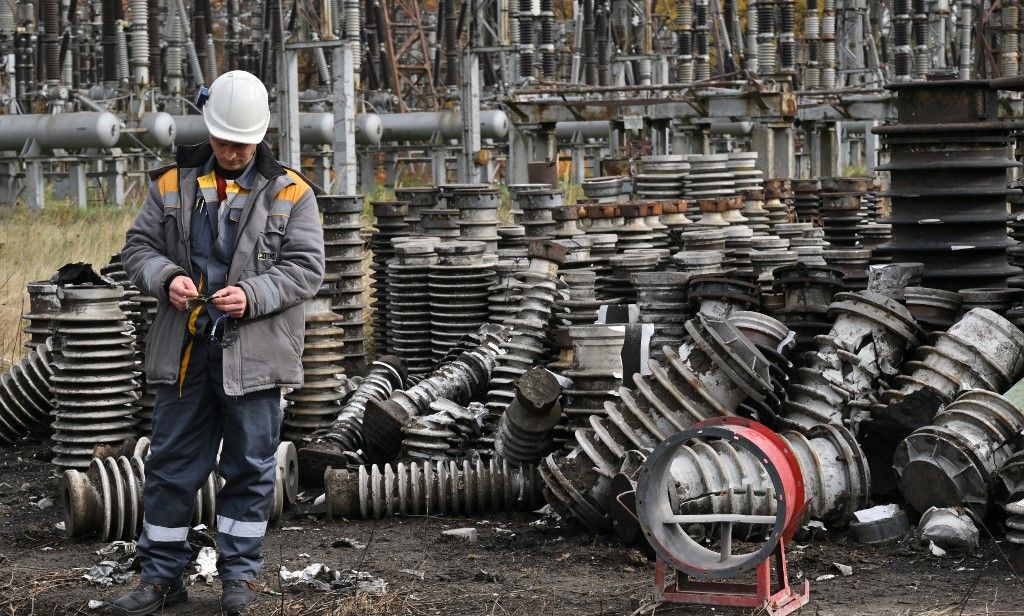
(424, 125)
(592, 129)
(314, 128)
(63, 131)
(158, 131)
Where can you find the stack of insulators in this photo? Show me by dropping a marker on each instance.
(503, 301)
(141, 311)
(662, 177)
(538, 212)
(460, 283)
(442, 224)
(409, 304)
(95, 374)
(343, 276)
(390, 224)
(634, 232)
(315, 405)
(778, 191)
(619, 285)
(42, 305)
(419, 199)
(806, 201)
(841, 209)
(661, 297)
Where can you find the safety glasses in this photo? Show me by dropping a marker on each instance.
(223, 332)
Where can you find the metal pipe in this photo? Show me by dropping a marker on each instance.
(76, 130)
(425, 125)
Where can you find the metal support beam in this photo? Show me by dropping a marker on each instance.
(345, 171)
(469, 173)
(289, 148)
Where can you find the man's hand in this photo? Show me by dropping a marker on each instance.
(231, 300)
(181, 290)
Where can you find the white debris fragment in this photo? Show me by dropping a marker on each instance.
(845, 570)
(60, 526)
(466, 534)
(936, 550)
(44, 503)
(950, 528)
(827, 576)
(206, 566)
(288, 528)
(95, 604)
(880, 512)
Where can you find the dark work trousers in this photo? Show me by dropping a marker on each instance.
(188, 426)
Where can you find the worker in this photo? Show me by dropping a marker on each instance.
(229, 240)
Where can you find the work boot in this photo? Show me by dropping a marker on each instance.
(148, 598)
(237, 595)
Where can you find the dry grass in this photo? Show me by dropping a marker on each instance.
(33, 246)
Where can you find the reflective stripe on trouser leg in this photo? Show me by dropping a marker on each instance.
(247, 463)
(186, 435)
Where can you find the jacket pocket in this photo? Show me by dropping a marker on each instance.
(171, 226)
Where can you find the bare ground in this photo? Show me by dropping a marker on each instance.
(514, 568)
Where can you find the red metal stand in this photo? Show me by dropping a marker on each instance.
(779, 602)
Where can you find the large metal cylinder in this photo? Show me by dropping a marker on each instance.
(314, 128)
(424, 125)
(65, 131)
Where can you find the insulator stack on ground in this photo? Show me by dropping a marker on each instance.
(459, 284)
(737, 247)
(661, 297)
(503, 301)
(538, 206)
(776, 192)
(619, 285)
(869, 338)
(604, 189)
(42, 305)
(315, 405)
(810, 250)
(793, 230)
(717, 477)
(808, 292)
(25, 395)
(578, 303)
(980, 351)
(443, 224)
(602, 218)
(704, 240)
(419, 199)
(445, 433)
(745, 174)
(343, 278)
(934, 309)
(432, 488)
(652, 212)
(674, 217)
(478, 215)
(873, 236)
(853, 263)
(566, 220)
(577, 253)
(806, 201)
(511, 237)
(390, 223)
(528, 342)
(764, 260)
(602, 249)
(841, 209)
(1011, 476)
(524, 433)
(634, 234)
(698, 261)
(409, 304)
(753, 210)
(872, 202)
(718, 295)
(953, 461)
(105, 500)
(460, 380)
(662, 177)
(997, 300)
(951, 170)
(596, 373)
(715, 371)
(95, 374)
(141, 311)
(709, 178)
(341, 443)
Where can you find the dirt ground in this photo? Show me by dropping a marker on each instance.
(513, 568)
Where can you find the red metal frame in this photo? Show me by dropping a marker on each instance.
(784, 600)
(776, 602)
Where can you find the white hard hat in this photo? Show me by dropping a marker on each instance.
(238, 109)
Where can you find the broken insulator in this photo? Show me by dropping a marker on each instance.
(524, 434)
(25, 395)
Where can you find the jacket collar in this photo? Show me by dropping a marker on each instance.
(197, 156)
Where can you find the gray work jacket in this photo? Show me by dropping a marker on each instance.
(278, 261)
